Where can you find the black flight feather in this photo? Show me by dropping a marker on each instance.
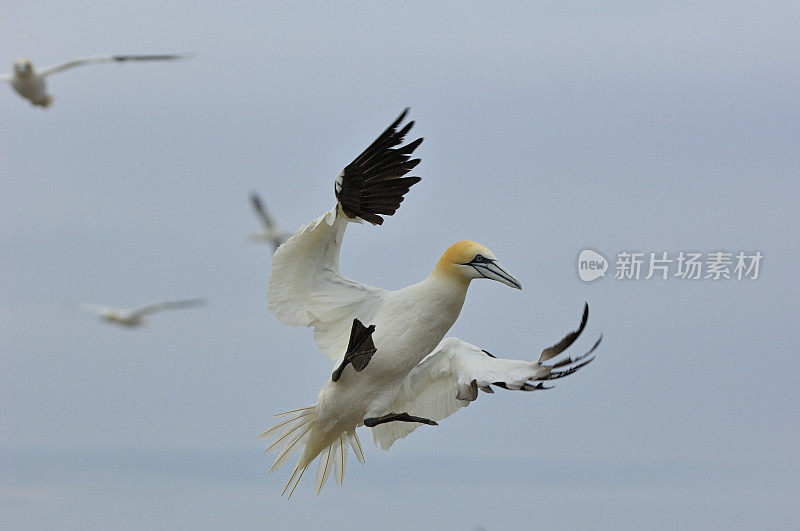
(568, 340)
(373, 185)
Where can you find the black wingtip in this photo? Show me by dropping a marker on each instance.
(159, 57)
(568, 339)
(374, 184)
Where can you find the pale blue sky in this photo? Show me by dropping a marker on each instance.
(548, 129)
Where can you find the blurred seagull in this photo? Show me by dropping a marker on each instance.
(135, 317)
(376, 337)
(271, 233)
(31, 84)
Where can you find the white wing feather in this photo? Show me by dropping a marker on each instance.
(306, 288)
(107, 59)
(446, 381)
(94, 309)
(450, 377)
(165, 305)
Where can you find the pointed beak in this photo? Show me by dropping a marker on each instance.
(494, 271)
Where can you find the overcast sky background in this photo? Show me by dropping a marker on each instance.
(548, 128)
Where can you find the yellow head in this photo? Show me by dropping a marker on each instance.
(467, 260)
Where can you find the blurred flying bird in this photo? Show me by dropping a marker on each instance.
(271, 233)
(377, 337)
(135, 317)
(31, 85)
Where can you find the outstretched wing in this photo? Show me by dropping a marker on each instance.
(107, 59)
(166, 305)
(94, 309)
(374, 183)
(305, 285)
(450, 377)
(258, 206)
(306, 288)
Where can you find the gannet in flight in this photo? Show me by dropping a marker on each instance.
(31, 84)
(377, 337)
(133, 318)
(271, 233)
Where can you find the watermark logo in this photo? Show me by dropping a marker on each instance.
(684, 265)
(591, 265)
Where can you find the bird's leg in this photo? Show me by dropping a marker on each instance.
(397, 417)
(359, 349)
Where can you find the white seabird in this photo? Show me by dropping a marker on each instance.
(271, 232)
(378, 337)
(31, 85)
(135, 317)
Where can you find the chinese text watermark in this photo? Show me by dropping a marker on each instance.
(684, 265)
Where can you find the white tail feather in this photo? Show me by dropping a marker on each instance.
(289, 431)
(296, 481)
(355, 444)
(291, 448)
(298, 410)
(283, 430)
(323, 468)
(291, 435)
(266, 435)
(340, 459)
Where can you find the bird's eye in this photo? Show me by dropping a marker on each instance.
(479, 258)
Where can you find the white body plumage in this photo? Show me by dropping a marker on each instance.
(32, 88)
(390, 374)
(409, 323)
(306, 289)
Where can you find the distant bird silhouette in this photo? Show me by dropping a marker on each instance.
(31, 84)
(135, 317)
(271, 233)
